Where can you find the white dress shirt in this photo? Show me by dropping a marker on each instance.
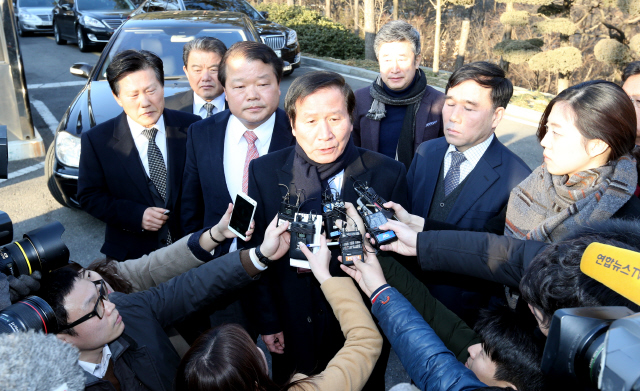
(98, 370)
(198, 105)
(142, 143)
(473, 155)
(235, 153)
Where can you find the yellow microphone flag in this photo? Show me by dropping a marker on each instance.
(616, 268)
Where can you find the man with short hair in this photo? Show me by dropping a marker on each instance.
(201, 57)
(399, 110)
(131, 166)
(290, 304)
(631, 85)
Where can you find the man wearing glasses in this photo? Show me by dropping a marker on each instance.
(121, 336)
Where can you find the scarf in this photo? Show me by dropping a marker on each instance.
(547, 207)
(413, 97)
(312, 177)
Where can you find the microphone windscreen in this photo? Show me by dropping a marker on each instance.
(615, 267)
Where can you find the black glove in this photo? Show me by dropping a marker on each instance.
(24, 285)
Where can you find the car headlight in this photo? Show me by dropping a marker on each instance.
(28, 18)
(68, 149)
(292, 37)
(91, 22)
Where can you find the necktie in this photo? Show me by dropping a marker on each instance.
(252, 153)
(209, 107)
(157, 169)
(452, 179)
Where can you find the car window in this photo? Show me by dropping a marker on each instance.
(224, 5)
(167, 44)
(36, 3)
(105, 5)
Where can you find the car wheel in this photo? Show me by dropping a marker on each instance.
(49, 163)
(21, 32)
(56, 35)
(82, 42)
(287, 73)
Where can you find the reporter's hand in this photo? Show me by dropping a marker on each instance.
(23, 286)
(222, 228)
(276, 240)
(319, 261)
(368, 274)
(407, 238)
(274, 342)
(353, 213)
(153, 218)
(416, 223)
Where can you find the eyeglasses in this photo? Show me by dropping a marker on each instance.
(98, 310)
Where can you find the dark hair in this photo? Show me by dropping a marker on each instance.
(631, 70)
(130, 61)
(487, 75)
(602, 111)
(250, 51)
(309, 83)
(203, 44)
(554, 281)
(59, 284)
(511, 340)
(109, 273)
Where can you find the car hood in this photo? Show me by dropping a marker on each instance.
(266, 27)
(95, 104)
(107, 14)
(38, 10)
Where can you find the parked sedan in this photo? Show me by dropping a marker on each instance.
(163, 33)
(88, 22)
(283, 40)
(33, 16)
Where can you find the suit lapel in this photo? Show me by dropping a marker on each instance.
(187, 102)
(356, 171)
(285, 174)
(216, 134)
(282, 136)
(431, 176)
(176, 154)
(130, 159)
(421, 119)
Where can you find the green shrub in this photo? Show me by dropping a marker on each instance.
(634, 44)
(517, 52)
(317, 34)
(563, 60)
(515, 18)
(527, 2)
(558, 25)
(612, 51)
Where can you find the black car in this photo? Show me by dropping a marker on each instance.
(165, 34)
(88, 22)
(283, 40)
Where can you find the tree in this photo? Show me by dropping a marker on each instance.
(464, 30)
(562, 61)
(436, 36)
(618, 50)
(327, 8)
(369, 29)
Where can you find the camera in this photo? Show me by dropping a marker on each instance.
(32, 313)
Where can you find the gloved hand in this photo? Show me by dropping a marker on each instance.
(24, 285)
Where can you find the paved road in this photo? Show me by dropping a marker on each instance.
(52, 88)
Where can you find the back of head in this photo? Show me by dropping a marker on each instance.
(554, 281)
(58, 285)
(39, 362)
(487, 75)
(224, 358)
(129, 61)
(603, 111)
(631, 70)
(397, 31)
(250, 51)
(203, 44)
(511, 340)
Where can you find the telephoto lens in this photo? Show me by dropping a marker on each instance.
(41, 249)
(32, 313)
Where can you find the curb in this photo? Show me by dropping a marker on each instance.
(26, 149)
(520, 114)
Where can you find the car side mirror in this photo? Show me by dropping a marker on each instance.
(264, 14)
(81, 69)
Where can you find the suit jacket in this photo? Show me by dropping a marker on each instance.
(485, 192)
(205, 195)
(114, 187)
(183, 101)
(291, 302)
(366, 132)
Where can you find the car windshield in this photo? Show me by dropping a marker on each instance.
(36, 3)
(168, 44)
(105, 5)
(223, 5)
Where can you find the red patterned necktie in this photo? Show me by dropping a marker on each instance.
(252, 153)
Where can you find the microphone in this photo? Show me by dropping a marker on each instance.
(615, 267)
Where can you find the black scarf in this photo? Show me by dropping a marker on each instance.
(412, 99)
(310, 176)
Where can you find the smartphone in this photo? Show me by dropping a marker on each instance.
(166, 212)
(242, 214)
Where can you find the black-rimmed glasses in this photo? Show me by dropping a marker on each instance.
(98, 310)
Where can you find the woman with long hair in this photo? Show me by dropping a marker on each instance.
(225, 358)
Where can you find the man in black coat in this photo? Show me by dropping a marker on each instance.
(131, 166)
(289, 305)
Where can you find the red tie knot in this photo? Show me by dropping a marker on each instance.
(250, 137)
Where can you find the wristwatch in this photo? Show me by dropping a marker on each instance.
(262, 258)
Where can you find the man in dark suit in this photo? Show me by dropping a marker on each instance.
(289, 303)
(201, 57)
(131, 166)
(399, 110)
(463, 181)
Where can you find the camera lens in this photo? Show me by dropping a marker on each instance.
(41, 249)
(32, 313)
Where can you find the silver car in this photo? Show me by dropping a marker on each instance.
(33, 16)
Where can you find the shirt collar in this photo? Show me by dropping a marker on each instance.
(98, 370)
(237, 129)
(473, 154)
(198, 102)
(136, 128)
